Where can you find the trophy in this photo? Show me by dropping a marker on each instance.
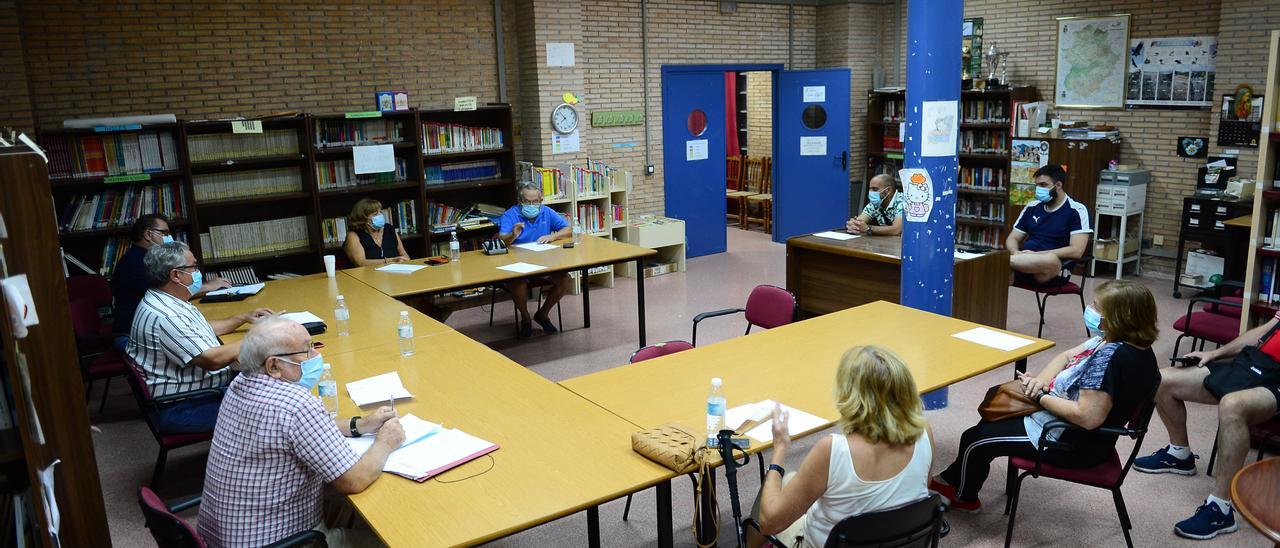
(995, 57)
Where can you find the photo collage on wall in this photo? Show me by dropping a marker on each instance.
(1171, 72)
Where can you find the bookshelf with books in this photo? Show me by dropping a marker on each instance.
(1262, 288)
(592, 192)
(983, 151)
(468, 165)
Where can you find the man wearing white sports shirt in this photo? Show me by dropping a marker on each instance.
(177, 350)
(1052, 229)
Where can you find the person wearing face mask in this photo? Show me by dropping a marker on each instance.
(883, 214)
(371, 238)
(527, 222)
(275, 447)
(1052, 229)
(1099, 383)
(129, 276)
(176, 349)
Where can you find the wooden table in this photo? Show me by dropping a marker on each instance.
(559, 454)
(828, 275)
(1255, 492)
(476, 269)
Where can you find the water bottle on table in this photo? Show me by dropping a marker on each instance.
(715, 412)
(455, 247)
(405, 331)
(342, 317)
(328, 390)
(577, 231)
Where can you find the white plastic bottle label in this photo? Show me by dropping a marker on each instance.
(406, 331)
(341, 314)
(328, 389)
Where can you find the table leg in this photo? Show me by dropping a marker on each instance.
(640, 301)
(666, 539)
(586, 299)
(707, 524)
(593, 527)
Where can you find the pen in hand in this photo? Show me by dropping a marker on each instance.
(393, 406)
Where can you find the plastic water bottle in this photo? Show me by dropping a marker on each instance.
(342, 317)
(405, 331)
(577, 231)
(455, 247)
(328, 390)
(715, 412)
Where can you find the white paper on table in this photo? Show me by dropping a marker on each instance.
(251, 289)
(535, 246)
(436, 454)
(522, 268)
(798, 422)
(992, 338)
(374, 159)
(378, 388)
(54, 518)
(400, 268)
(415, 430)
(967, 255)
(835, 235)
(303, 317)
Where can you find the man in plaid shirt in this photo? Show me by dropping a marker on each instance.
(275, 446)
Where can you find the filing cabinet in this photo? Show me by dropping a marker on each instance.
(1204, 220)
(1121, 196)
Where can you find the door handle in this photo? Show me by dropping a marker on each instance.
(844, 160)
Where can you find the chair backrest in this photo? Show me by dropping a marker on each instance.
(770, 306)
(766, 176)
(1137, 429)
(168, 529)
(753, 170)
(85, 320)
(733, 172)
(658, 350)
(92, 287)
(141, 392)
(916, 524)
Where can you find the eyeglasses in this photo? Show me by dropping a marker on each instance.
(308, 352)
(538, 202)
(186, 266)
(165, 232)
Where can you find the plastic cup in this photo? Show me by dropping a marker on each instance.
(330, 265)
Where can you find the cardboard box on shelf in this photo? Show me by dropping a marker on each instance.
(1107, 249)
(658, 269)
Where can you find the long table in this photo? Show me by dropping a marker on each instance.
(475, 269)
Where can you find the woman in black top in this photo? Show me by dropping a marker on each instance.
(1099, 383)
(371, 240)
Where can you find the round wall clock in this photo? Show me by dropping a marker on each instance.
(564, 119)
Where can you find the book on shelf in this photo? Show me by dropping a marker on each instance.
(619, 214)
(894, 110)
(982, 210)
(592, 218)
(214, 147)
(245, 184)
(983, 178)
(446, 218)
(984, 141)
(551, 180)
(1266, 282)
(891, 143)
(593, 178)
(403, 214)
(344, 133)
(240, 275)
(440, 138)
(236, 240)
(987, 236)
(459, 172)
(78, 156)
(334, 230)
(113, 249)
(342, 174)
(984, 112)
(120, 207)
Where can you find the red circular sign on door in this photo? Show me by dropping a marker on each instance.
(697, 122)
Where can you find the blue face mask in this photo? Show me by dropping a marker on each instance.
(874, 197)
(312, 368)
(166, 239)
(530, 210)
(378, 221)
(1045, 195)
(197, 280)
(1093, 320)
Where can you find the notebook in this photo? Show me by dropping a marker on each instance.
(432, 454)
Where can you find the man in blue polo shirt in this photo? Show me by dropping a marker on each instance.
(530, 221)
(1049, 230)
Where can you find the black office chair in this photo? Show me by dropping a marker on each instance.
(918, 524)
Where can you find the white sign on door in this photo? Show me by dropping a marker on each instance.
(695, 150)
(815, 94)
(813, 146)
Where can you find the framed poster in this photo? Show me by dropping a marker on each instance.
(1172, 72)
(1026, 156)
(1092, 56)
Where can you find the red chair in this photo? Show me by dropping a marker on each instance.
(768, 306)
(1108, 475)
(93, 287)
(98, 358)
(171, 531)
(658, 350)
(150, 406)
(1262, 436)
(1218, 321)
(1062, 285)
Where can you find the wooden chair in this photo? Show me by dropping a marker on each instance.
(753, 169)
(732, 184)
(763, 200)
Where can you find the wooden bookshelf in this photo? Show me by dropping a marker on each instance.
(1266, 205)
(886, 113)
(499, 190)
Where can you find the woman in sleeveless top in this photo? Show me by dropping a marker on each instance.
(879, 460)
(371, 240)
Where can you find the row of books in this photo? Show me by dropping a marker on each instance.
(984, 141)
(987, 236)
(446, 218)
(462, 171)
(891, 143)
(342, 174)
(344, 133)
(113, 250)
(982, 178)
(619, 214)
(895, 110)
(594, 178)
(334, 230)
(1268, 293)
(215, 147)
(121, 207)
(72, 156)
(240, 275)
(404, 215)
(241, 239)
(592, 218)
(243, 184)
(554, 186)
(449, 138)
(984, 210)
(984, 112)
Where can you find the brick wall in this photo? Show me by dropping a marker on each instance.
(853, 36)
(15, 101)
(760, 113)
(1242, 59)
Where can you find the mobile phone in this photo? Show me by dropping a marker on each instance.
(568, 245)
(438, 259)
(1185, 361)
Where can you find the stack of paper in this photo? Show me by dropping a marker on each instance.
(992, 338)
(415, 430)
(251, 289)
(400, 268)
(303, 317)
(534, 246)
(798, 421)
(377, 389)
(428, 450)
(522, 268)
(835, 235)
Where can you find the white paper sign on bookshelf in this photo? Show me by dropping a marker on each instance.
(374, 159)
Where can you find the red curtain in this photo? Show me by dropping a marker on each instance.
(731, 147)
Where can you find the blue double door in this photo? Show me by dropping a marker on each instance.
(810, 152)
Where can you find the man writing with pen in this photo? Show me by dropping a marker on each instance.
(275, 447)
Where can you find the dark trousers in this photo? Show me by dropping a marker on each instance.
(188, 416)
(987, 441)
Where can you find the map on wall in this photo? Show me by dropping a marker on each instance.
(1092, 56)
(1172, 72)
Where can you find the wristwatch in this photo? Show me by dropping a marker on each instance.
(355, 433)
(781, 473)
(1041, 397)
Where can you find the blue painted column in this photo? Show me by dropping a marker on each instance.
(933, 74)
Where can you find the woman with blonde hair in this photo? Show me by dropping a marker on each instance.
(879, 460)
(371, 239)
(1099, 383)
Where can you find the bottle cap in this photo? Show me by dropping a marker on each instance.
(715, 381)
(326, 367)
(340, 298)
(404, 313)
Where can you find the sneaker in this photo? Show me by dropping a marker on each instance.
(545, 324)
(1208, 522)
(525, 331)
(1162, 462)
(948, 493)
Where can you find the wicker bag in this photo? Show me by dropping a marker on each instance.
(671, 445)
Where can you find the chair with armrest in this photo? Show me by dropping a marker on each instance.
(1218, 321)
(768, 306)
(1064, 284)
(917, 524)
(98, 358)
(648, 353)
(150, 406)
(1109, 475)
(171, 531)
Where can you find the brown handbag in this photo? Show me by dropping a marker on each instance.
(671, 445)
(1006, 401)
